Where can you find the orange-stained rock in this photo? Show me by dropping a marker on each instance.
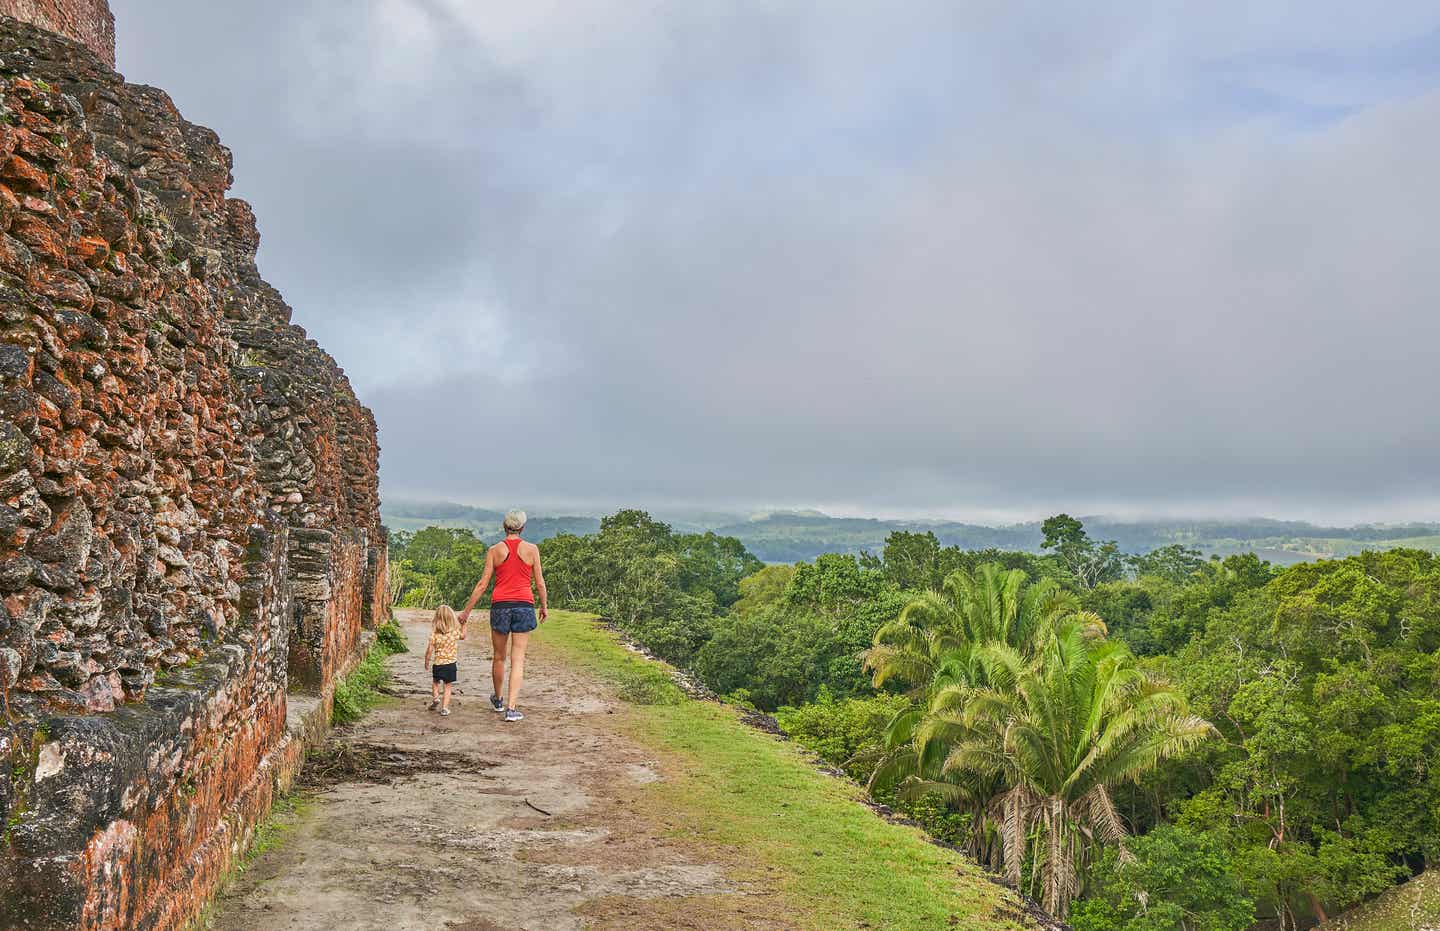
(86, 21)
(24, 175)
(92, 250)
(189, 508)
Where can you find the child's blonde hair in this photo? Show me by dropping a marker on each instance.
(445, 621)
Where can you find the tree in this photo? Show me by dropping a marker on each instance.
(1173, 879)
(575, 574)
(426, 548)
(762, 589)
(834, 584)
(1323, 682)
(715, 564)
(933, 646)
(1174, 563)
(457, 572)
(912, 560)
(934, 641)
(1060, 730)
(1063, 530)
(1090, 563)
(776, 656)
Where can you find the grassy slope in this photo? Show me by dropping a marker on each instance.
(1414, 906)
(839, 863)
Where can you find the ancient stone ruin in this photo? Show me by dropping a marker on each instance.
(190, 542)
(86, 21)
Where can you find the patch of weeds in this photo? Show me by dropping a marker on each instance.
(649, 687)
(360, 691)
(391, 637)
(269, 834)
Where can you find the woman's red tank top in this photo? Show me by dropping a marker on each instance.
(512, 577)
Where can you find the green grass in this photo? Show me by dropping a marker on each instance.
(284, 817)
(835, 861)
(360, 691)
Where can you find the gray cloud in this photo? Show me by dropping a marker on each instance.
(975, 259)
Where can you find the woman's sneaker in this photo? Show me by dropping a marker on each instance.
(513, 714)
(497, 703)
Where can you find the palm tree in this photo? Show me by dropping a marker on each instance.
(933, 641)
(1057, 729)
(934, 646)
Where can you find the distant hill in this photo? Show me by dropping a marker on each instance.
(791, 537)
(794, 536)
(411, 515)
(788, 537)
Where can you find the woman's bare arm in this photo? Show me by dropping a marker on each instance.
(479, 590)
(540, 586)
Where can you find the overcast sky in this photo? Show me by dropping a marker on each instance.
(973, 259)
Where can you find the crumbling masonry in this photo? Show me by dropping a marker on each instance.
(189, 516)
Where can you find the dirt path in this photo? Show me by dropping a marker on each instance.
(447, 837)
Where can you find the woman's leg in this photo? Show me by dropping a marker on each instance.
(517, 667)
(499, 644)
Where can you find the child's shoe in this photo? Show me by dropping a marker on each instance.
(434, 703)
(444, 712)
(512, 715)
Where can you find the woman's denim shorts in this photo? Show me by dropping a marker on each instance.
(513, 618)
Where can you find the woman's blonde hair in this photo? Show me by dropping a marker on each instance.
(445, 621)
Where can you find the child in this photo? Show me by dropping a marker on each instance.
(441, 656)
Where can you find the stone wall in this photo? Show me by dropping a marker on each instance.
(189, 525)
(86, 21)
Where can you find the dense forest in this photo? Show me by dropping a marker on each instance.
(1142, 742)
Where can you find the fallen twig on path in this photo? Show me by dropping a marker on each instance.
(538, 808)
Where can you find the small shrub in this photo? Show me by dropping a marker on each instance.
(650, 687)
(358, 692)
(846, 733)
(390, 637)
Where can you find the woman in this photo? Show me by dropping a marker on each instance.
(514, 563)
